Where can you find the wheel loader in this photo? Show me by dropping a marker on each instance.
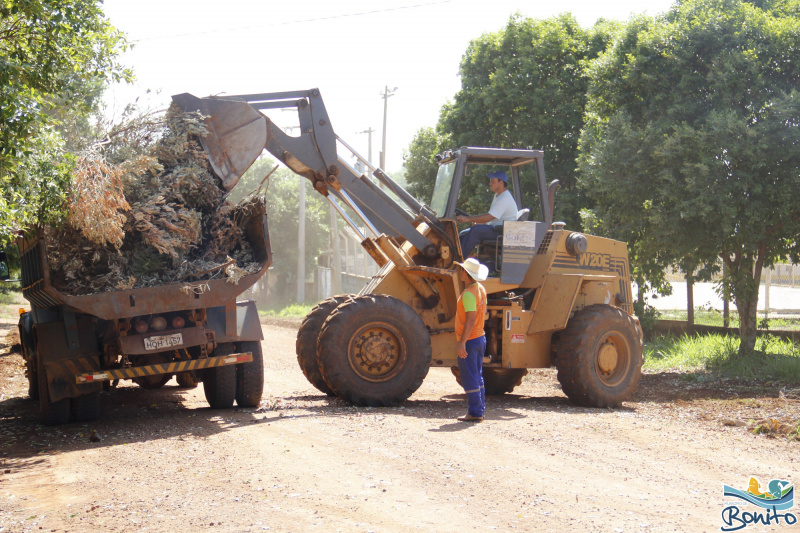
(556, 297)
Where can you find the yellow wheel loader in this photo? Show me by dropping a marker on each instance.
(556, 297)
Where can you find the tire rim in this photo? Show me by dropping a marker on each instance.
(377, 352)
(612, 359)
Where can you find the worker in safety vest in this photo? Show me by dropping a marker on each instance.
(470, 314)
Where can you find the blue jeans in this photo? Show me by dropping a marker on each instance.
(471, 370)
(472, 236)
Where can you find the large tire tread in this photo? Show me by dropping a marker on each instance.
(51, 413)
(576, 352)
(334, 359)
(86, 408)
(306, 345)
(250, 376)
(219, 383)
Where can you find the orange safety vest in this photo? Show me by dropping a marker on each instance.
(461, 316)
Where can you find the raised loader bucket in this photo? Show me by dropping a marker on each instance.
(237, 134)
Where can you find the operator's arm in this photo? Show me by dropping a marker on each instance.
(477, 219)
(469, 323)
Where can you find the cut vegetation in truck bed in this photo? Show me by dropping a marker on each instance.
(146, 210)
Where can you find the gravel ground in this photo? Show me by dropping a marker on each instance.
(303, 462)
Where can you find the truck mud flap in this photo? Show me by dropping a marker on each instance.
(164, 368)
(60, 382)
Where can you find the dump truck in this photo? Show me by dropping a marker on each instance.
(555, 296)
(74, 346)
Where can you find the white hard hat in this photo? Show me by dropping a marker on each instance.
(476, 271)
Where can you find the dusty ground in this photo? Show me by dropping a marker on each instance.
(303, 462)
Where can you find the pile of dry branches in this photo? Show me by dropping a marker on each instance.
(146, 209)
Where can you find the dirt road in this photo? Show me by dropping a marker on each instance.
(303, 462)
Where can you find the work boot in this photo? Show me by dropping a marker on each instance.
(469, 418)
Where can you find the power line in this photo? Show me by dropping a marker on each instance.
(299, 21)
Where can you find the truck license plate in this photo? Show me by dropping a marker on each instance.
(163, 341)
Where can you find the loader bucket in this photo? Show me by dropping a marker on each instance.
(237, 134)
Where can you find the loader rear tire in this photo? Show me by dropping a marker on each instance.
(250, 376)
(219, 383)
(306, 345)
(374, 350)
(599, 357)
(497, 381)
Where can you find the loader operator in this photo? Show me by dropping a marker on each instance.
(470, 314)
(488, 225)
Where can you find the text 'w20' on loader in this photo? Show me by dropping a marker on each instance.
(555, 296)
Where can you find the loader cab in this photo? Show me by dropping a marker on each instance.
(461, 187)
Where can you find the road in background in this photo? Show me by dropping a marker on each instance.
(781, 298)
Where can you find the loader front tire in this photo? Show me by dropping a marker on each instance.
(306, 345)
(599, 356)
(219, 383)
(374, 350)
(497, 381)
(250, 376)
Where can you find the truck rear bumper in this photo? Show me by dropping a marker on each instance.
(164, 368)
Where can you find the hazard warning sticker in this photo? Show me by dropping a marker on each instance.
(517, 339)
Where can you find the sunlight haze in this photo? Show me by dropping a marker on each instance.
(350, 50)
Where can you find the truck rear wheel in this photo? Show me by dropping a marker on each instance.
(86, 408)
(219, 383)
(374, 350)
(497, 381)
(186, 380)
(250, 376)
(599, 357)
(29, 354)
(306, 345)
(51, 413)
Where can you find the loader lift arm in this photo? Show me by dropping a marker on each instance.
(239, 132)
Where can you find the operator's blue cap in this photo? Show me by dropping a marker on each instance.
(499, 174)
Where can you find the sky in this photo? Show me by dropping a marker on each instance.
(351, 50)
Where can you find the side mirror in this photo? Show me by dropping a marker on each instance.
(3, 266)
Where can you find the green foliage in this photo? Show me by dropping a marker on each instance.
(419, 163)
(281, 191)
(524, 87)
(692, 147)
(648, 316)
(773, 358)
(55, 56)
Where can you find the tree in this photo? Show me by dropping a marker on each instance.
(420, 163)
(55, 57)
(525, 87)
(691, 148)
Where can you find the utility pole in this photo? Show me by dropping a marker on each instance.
(386, 94)
(301, 234)
(369, 131)
(301, 244)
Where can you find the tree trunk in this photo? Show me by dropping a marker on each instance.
(744, 271)
(748, 323)
(690, 299)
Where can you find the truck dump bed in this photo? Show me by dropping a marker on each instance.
(110, 305)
